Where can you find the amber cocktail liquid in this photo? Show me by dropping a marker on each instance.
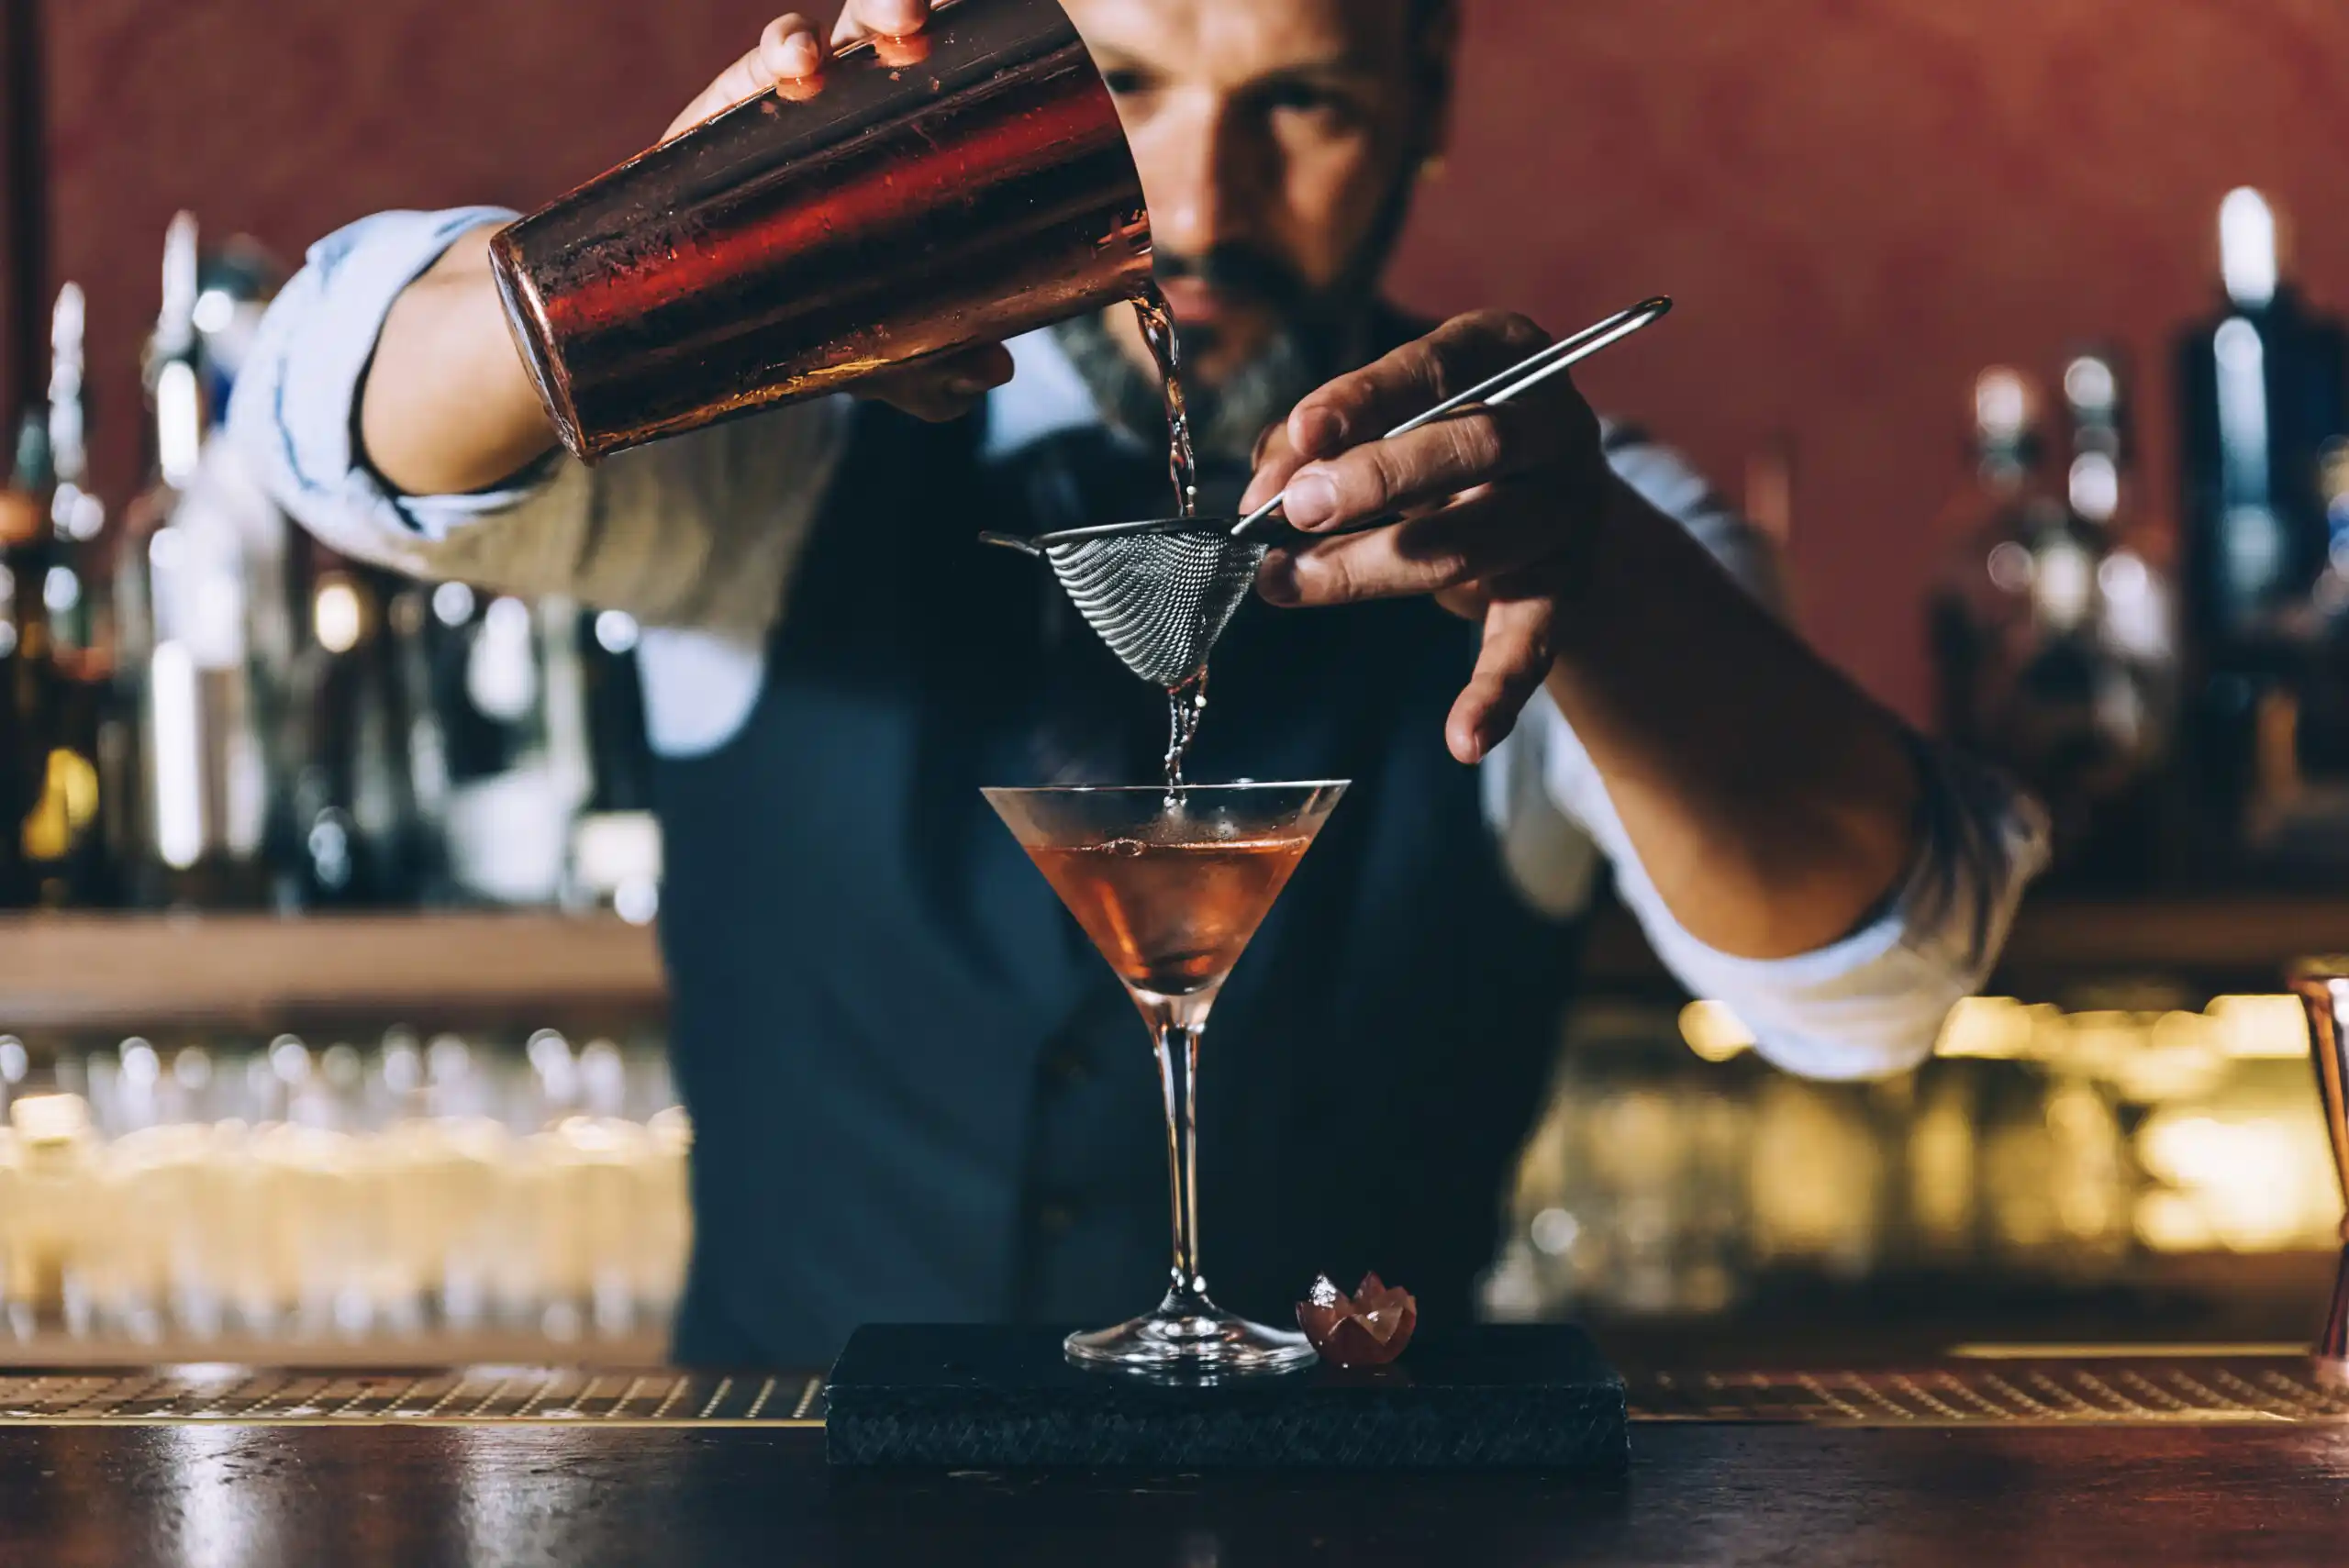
(1171, 918)
(1171, 884)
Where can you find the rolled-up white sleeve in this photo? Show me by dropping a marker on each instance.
(698, 531)
(1873, 1003)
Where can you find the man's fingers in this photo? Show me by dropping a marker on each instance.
(943, 389)
(982, 369)
(1486, 533)
(789, 50)
(1455, 453)
(1275, 459)
(1469, 601)
(1366, 404)
(1517, 653)
(885, 18)
(933, 403)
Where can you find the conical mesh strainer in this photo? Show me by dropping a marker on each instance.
(1160, 593)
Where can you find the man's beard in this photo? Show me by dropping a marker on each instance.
(1226, 417)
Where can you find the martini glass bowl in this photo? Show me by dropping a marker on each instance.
(1171, 885)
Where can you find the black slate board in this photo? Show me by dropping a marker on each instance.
(1512, 1396)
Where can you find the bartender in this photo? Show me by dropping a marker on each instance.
(917, 1093)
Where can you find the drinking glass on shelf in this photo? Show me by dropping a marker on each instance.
(56, 1222)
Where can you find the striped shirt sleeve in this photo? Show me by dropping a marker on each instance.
(698, 531)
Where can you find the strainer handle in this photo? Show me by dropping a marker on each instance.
(1519, 378)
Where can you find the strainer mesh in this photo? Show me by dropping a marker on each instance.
(1158, 599)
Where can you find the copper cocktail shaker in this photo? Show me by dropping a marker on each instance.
(930, 194)
(2324, 987)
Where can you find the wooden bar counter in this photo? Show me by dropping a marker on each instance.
(2236, 1458)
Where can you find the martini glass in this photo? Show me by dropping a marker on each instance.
(1171, 885)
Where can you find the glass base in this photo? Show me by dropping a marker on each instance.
(1191, 1341)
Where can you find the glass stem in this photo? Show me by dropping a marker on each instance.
(1176, 1023)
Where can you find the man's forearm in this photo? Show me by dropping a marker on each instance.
(1772, 803)
(447, 406)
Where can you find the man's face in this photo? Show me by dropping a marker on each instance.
(1273, 137)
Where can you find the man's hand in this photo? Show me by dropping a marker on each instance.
(1771, 803)
(1498, 503)
(789, 57)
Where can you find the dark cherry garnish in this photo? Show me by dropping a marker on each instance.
(1370, 1328)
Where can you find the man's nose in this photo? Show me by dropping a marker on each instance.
(1205, 189)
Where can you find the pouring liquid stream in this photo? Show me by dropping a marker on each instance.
(1158, 330)
(1185, 703)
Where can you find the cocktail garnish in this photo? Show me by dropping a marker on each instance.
(1370, 1328)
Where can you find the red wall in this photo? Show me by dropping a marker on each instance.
(1856, 202)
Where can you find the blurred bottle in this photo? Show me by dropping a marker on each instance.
(350, 835)
(1979, 597)
(308, 721)
(2127, 839)
(2050, 627)
(616, 846)
(234, 284)
(530, 764)
(252, 540)
(2263, 396)
(28, 708)
(2263, 386)
(67, 838)
(504, 683)
(202, 777)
